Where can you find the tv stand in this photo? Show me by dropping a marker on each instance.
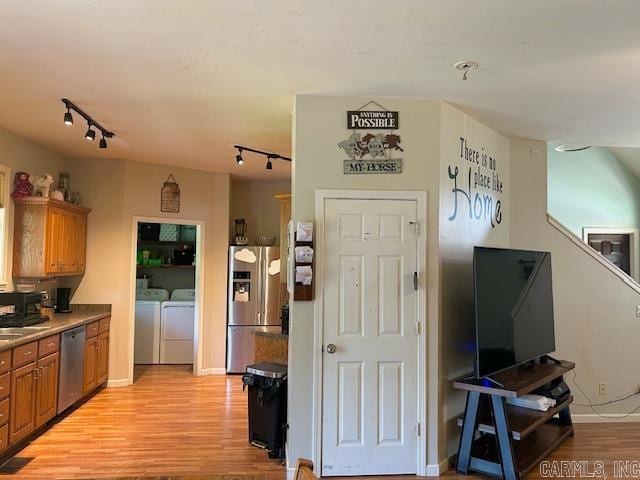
(505, 440)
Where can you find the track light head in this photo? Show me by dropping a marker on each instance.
(239, 159)
(103, 142)
(68, 118)
(91, 134)
(269, 164)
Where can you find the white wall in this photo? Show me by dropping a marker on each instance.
(319, 124)
(253, 201)
(595, 320)
(21, 154)
(472, 213)
(117, 191)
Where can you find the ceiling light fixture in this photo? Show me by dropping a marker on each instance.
(564, 147)
(68, 118)
(239, 159)
(91, 123)
(270, 156)
(91, 134)
(465, 67)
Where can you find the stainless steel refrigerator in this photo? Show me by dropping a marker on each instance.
(253, 298)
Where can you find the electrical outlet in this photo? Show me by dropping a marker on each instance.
(602, 389)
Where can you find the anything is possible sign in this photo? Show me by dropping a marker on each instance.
(358, 119)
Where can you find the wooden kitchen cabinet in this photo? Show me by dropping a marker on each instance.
(90, 364)
(46, 389)
(96, 354)
(50, 238)
(102, 359)
(23, 402)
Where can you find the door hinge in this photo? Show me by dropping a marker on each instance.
(418, 430)
(415, 281)
(416, 224)
(418, 328)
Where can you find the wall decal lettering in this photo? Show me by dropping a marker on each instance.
(481, 194)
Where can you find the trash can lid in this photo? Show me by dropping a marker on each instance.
(268, 370)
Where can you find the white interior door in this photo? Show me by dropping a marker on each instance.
(369, 389)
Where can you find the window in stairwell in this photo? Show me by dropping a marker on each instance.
(594, 194)
(618, 245)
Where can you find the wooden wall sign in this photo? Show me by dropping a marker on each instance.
(376, 120)
(170, 196)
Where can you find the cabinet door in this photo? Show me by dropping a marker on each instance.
(53, 248)
(23, 397)
(69, 261)
(47, 388)
(90, 364)
(103, 359)
(80, 244)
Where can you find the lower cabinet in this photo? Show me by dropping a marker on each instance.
(102, 366)
(47, 388)
(29, 381)
(90, 364)
(34, 396)
(23, 402)
(96, 359)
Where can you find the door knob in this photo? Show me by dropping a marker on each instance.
(331, 348)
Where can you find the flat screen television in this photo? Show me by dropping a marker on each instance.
(513, 308)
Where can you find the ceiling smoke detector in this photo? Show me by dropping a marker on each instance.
(465, 67)
(566, 147)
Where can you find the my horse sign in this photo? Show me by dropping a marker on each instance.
(359, 119)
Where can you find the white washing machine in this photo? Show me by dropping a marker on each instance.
(147, 329)
(177, 327)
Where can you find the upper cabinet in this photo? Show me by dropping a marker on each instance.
(50, 238)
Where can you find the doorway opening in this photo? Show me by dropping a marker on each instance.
(166, 293)
(618, 245)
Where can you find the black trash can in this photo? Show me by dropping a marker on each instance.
(267, 384)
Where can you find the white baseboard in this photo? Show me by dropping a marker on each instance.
(213, 371)
(121, 382)
(291, 471)
(437, 469)
(615, 418)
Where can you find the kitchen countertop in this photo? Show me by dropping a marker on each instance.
(275, 335)
(81, 315)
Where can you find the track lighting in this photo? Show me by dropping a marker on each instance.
(90, 134)
(270, 156)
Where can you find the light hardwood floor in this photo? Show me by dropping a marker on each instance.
(169, 422)
(172, 423)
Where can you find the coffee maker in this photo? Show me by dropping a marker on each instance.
(26, 309)
(241, 231)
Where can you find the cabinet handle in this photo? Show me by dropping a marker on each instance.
(35, 374)
(1, 387)
(51, 344)
(27, 353)
(2, 362)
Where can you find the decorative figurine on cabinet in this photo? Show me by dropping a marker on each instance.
(21, 185)
(42, 184)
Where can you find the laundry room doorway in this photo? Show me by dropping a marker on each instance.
(166, 296)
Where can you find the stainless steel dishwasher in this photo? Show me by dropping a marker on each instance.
(71, 367)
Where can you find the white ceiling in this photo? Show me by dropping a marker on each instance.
(181, 81)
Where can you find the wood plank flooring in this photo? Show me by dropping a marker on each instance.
(171, 423)
(168, 423)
